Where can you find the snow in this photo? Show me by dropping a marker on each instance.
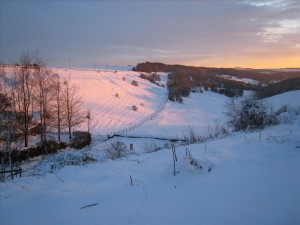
(290, 98)
(199, 110)
(245, 178)
(244, 80)
(253, 181)
(110, 113)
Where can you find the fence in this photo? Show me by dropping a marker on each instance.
(125, 130)
(147, 119)
(12, 173)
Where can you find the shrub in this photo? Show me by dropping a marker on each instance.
(152, 77)
(134, 83)
(151, 147)
(250, 114)
(49, 146)
(116, 150)
(43, 148)
(135, 108)
(80, 139)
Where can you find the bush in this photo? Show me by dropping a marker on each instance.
(43, 148)
(134, 83)
(50, 146)
(116, 150)
(135, 108)
(151, 147)
(80, 139)
(152, 77)
(250, 114)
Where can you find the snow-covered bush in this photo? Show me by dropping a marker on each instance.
(80, 139)
(287, 113)
(151, 147)
(249, 114)
(62, 159)
(116, 150)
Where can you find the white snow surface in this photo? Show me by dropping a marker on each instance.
(199, 110)
(109, 95)
(254, 180)
(245, 178)
(244, 80)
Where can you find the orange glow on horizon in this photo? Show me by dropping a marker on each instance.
(254, 63)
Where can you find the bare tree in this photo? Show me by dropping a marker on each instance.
(43, 85)
(8, 127)
(21, 88)
(73, 113)
(57, 106)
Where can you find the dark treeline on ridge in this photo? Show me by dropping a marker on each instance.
(185, 79)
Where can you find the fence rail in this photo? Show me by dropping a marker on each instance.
(12, 172)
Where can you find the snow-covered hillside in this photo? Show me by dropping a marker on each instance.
(199, 110)
(245, 178)
(109, 95)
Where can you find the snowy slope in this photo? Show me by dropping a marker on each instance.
(112, 114)
(291, 98)
(199, 110)
(254, 180)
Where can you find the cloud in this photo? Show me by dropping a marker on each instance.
(127, 32)
(143, 49)
(276, 31)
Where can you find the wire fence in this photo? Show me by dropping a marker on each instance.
(121, 132)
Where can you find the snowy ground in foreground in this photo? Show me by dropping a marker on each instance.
(253, 181)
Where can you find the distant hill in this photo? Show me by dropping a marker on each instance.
(229, 81)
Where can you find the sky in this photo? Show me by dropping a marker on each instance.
(213, 33)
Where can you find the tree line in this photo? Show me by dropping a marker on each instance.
(35, 100)
(185, 79)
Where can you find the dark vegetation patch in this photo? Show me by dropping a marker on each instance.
(278, 88)
(80, 139)
(43, 148)
(186, 79)
(152, 77)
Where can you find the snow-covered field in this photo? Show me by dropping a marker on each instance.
(245, 178)
(244, 80)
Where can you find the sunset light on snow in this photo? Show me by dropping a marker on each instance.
(149, 112)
